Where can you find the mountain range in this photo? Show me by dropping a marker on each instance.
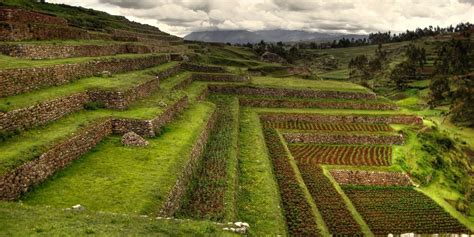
(245, 36)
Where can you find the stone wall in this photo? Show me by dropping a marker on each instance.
(20, 80)
(20, 180)
(58, 156)
(26, 16)
(347, 138)
(174, 199)
(42, 113)
(219, 77)
(287, 103)
(13, 31)
(149, 128)
(31, 51)
(285, 92)
(361, 177)
(349, 118)
(203, 68)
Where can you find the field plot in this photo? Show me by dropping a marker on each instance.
(399, 210)
(357, 155)
(300, 125)
(330, 204)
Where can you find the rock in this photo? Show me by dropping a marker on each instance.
(106, 74)
(272, 58)
(133, 139)
(78, 207)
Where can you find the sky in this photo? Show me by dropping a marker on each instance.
(181, 17)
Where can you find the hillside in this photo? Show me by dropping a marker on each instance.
(112, 128)
(243, 36)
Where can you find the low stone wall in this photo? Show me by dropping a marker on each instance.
(14, 31)
(26, 16)
(33, 172)
(32, 51)
(183, 84)
(347, 138)
(20, 80)
(174, 199)
(372, 178)
(284, 92)
(221, 77)
(150, 128)
(42, 113)
(349, 118)
(286, 103)
(20, 180)
(203, 68)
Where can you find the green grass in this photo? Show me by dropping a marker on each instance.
(7, 62)
(17, 219)
(119, 82)
(31, 143)
(258, 199)
(121, 179)
(294, 82)
(339, 74)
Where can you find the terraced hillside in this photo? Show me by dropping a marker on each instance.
(130, 131)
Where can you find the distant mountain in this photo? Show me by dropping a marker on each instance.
(244, 36)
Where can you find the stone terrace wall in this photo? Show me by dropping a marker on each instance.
(42, 113)
(33, 172)
(69, 51)
(284, 92)
(334, 138)
(219, 77)
(174, 199)
(285, 103)
(20, 180)
(350, 118)
(361, 177)
(10, 31)
(203, 68)
(149, 128)
(26, 16)
(15, 81)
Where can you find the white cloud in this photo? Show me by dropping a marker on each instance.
(181, 17)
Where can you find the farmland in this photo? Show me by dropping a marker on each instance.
(111, 127)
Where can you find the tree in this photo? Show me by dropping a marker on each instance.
(403, 73)
(439, 89)
(462, 109)
(359, 68)
(416, 55)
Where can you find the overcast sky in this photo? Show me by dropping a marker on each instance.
(180, 17)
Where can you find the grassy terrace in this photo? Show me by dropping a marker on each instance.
(379, 100)
(17, 219)
(28, 144)
(293, 82)
(258, 199)
(121, 179)
(120, 81)
(7, 62)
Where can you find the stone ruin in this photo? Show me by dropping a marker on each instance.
(133, 139)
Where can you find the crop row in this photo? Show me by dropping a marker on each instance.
(399, 210)
(357, 155)
(205, 194)
(298, 212)
(330, 204)
(299, 125)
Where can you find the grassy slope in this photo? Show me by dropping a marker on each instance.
(21, 220)
(307, 84)
(97, 180)
(258, 200)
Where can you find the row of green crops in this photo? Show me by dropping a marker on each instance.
(206, 193)
(330, 204)
(297, 210)
(299, 125)
(399, 210)
(357, 155)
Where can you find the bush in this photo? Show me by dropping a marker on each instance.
(94, 106)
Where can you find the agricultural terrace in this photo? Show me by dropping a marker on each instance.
(111, 127)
